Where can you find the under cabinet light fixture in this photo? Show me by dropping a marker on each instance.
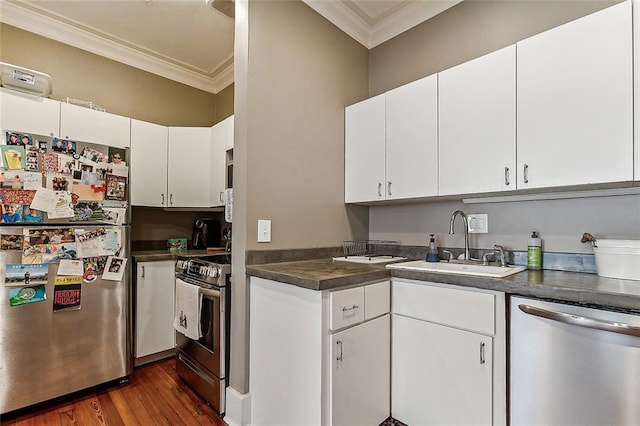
(554, 195)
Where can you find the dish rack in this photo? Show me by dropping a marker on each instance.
(370, 248)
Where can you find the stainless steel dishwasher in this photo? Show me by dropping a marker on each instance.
(572, 365)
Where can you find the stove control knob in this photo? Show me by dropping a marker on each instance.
(214, 272)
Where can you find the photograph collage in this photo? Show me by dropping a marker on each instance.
(82, 257)
(62, 201)
(45, 178)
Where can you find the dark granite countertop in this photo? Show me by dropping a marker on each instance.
(573, 287)
(323, 274)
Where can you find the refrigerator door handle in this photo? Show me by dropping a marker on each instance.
(582, 321)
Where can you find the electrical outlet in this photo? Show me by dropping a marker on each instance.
(264, 231)
(478, 223)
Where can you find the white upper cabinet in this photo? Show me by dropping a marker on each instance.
(575, 102)
(365, 150)
(189, 165)
(228, 124)
(412, 140)
(477, 125)
(20, 112)
(391, 144)
(88, 125)
(148, 164)
(219, 135)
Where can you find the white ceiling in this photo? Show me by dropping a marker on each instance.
(187, 40)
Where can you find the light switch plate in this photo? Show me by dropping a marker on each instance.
(264, 231)
(478, 223)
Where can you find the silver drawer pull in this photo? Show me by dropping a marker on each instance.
(339, 357)
(482, 359)
(345, 309)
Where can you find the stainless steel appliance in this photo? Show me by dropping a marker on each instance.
(573, 365)
(62, 331)
(206, 233)
(204, 363)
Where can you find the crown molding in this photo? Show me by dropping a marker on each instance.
(396, 23)
(15, 15)
(344, 18)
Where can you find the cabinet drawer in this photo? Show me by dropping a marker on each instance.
(377, 299)
(346, 307)
(465, 309)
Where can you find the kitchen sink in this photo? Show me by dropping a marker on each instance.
(462, 268)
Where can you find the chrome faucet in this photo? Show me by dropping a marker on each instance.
(466, 230)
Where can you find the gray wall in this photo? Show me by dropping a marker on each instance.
(560, 223)
(468, 30)
(294, 74)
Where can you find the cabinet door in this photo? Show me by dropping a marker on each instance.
(218, 163)
(228, 124)
(440, 375)
(575, 98)
(364, 151)
(148, 164)
(20, 112)
(88, 125)
(154, 307)
(477, 105)
(412, 140)
(360, 376)
(189, 176)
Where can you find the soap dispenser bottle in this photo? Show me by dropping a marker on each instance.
(534, 252)
(432, 251)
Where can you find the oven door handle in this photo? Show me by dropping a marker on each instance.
(581, 321)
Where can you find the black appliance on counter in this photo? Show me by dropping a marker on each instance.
(206, 233)
(204, 363)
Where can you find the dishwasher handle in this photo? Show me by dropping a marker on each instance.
(611, 326)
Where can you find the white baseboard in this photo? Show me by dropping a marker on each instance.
(238, 408)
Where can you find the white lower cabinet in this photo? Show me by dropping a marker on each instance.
(155, 296)
(360, 378)
(315, 356)
(448, 355)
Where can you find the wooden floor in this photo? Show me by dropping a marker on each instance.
(155, 395)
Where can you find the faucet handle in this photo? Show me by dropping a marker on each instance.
(485, 257)
(503, 259)
(448, 254)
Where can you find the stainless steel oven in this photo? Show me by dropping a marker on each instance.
(204, 363)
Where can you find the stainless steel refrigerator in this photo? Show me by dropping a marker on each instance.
(64, 327)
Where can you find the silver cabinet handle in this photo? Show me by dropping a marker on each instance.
(482, 360)
(526, 173)
(379, 189)
(339, 357)
(506, 176)
(389, 187)
(221, 197)
(162, 197)
(580, 321)
(142, 276)
(171, 199)
(345, 309)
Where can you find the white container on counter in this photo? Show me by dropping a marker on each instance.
(618, 259)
